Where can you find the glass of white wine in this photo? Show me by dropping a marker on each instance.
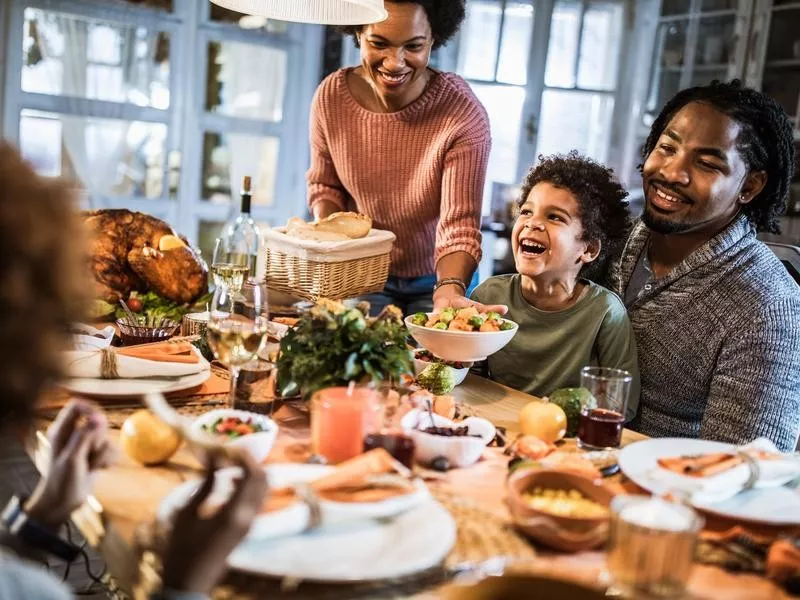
(230, 264)
(237, 327)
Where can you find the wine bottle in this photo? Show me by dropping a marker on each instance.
(243, 227)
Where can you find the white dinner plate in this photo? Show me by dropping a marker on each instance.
(770, 506)
(362, 542)
(124, 388)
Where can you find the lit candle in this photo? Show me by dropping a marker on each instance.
(340, 418)
(651, 545)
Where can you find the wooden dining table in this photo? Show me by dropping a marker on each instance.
(127, 495)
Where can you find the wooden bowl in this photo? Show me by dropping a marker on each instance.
(571, 534)
(523, 587)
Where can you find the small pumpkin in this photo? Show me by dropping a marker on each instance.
(545, 420)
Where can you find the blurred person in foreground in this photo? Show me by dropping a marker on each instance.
(715, 313)
(42, 287)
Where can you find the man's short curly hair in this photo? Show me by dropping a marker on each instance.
(765, 142)
(602, 203)
(42, 289)
(445, 17)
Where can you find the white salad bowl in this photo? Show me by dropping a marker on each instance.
(258, 444)
(464, 346)
(419, 367)
(459, 451)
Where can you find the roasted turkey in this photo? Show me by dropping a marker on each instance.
(125, 256)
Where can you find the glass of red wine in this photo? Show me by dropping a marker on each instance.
(603, 417)
(395, 402)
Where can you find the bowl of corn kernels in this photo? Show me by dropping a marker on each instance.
(562, 510)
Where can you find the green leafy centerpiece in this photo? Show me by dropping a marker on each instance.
(332, 345)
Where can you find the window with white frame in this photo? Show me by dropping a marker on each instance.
(163, 106)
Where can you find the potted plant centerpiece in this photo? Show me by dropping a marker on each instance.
(332, 345)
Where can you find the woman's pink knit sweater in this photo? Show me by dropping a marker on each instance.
(418, 172)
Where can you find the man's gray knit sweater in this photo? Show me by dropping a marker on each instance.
(718, 341)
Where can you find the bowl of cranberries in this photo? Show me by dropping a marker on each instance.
(461, 443)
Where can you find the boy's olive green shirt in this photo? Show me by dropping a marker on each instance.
(550, 348)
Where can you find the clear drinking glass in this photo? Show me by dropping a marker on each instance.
(237, 327)
(602, 419)
(231, 262)
(651, 546)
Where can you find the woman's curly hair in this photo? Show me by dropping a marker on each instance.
(602, 203)
(42, 284)
(765, 142)
(445, 17)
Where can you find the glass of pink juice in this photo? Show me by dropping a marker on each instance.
(340, 419)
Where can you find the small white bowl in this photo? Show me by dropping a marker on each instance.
(465, 346)
(419, 367)
(258, 444)
(459, 451)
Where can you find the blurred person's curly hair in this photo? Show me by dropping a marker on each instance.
(445, 17)
(602, 202)
(42, 284)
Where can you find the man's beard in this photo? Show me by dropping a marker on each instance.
(659, 224)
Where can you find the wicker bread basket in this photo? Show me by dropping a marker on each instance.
(335, 270)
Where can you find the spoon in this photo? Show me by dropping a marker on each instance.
(132, 320)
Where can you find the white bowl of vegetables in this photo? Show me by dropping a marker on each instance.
(461, 334)
(248, 431)
(424, 358)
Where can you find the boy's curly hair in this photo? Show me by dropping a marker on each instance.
(445, 17)
(602, 203)
(42, 284)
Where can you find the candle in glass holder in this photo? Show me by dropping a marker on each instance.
(651, 545)
(194, 323)
(340, 419)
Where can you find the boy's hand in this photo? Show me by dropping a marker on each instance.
(451, 295)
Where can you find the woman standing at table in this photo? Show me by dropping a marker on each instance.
(408, 146)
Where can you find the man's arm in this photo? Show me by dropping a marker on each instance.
(755, 389)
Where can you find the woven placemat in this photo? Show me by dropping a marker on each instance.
(481, 536)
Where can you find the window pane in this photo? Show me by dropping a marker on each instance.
(108, 156)
(224, 15)
(76, 56)
(575, 120)
(477, 50)
(600, 46)
(675, 7)
(784, 41)
(246, 80)
(165, 5)
(709, 5)
(715, 42)
(516, 44)
(207, 233)
(229, 157)
(665, 73)
(563, 45)
(504, 106)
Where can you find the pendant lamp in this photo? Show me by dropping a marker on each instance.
(323, 12)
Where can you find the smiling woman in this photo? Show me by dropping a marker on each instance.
(408, 146)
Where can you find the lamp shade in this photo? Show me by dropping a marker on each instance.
(323, 12)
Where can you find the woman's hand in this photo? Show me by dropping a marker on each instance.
(453, 295)
(79, 446)
(197, 549)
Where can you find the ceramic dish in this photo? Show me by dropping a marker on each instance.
(572, 534)
(521, 587)
(461, 451)
(258, 444)
(465, 346)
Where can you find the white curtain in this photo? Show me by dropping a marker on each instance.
(99, 149)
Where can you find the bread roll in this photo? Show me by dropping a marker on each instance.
(338, 227)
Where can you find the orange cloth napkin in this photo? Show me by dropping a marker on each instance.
(178, 352)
